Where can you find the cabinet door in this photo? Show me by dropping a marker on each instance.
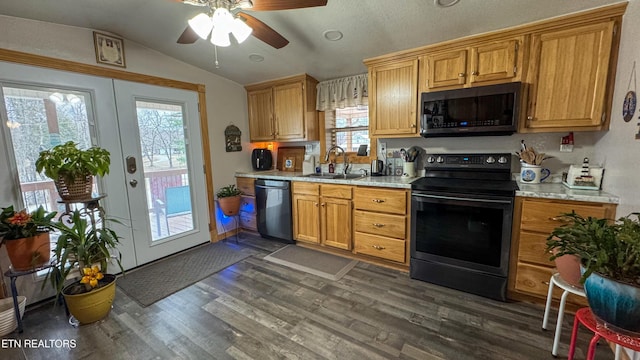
(569, 70)
(260, 115)
(305, 218)
(335, 220)
(494, 61)
(393, 90)
(446, 69)
(288, 111)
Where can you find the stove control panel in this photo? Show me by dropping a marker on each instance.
(469, 161)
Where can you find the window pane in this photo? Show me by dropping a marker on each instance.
(347, 130)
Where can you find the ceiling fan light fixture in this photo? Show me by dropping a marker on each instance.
(240, 30)
(244, 4)
(220, 37)
(202, 24)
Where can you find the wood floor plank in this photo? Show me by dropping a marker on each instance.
(256, 309)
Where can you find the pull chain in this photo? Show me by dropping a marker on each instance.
(215, 50)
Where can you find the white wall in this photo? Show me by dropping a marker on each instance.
(619, 146)
(226, 100)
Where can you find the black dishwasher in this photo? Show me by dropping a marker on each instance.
(273, 203)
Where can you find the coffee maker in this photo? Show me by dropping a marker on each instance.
(261, 159)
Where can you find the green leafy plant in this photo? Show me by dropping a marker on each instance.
(609, 248)
(21, 224)
(228, 191)
(81, 245)
(68, 161)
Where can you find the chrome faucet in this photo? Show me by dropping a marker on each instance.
(345, 159)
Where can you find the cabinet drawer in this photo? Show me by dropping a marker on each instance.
(543, 217)
(308, 188)
(248, 204)
(381, 200)
(532, 249)
(380, 224)
(248, 221)
(336, 191)
(382, 247)
(534, 280)
(246, 185)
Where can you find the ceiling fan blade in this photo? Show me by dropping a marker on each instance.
(188, 36)
(269, 5)
(263, 32)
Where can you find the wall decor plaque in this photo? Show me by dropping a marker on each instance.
(232, 137)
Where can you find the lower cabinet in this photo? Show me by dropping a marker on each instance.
(247, 213)
(367, 221)
(534, 219)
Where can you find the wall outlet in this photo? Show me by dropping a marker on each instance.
(383, 148)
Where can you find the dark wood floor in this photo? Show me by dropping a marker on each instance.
(259, 310)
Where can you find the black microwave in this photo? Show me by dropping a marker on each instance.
(482, 110)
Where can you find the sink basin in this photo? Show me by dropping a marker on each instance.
(334, 176)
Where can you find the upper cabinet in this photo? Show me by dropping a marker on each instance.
(568, 76)
(283, 110)
(485, 63)
(393, 98)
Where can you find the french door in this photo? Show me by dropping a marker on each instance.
(162, 154)
(155, 185)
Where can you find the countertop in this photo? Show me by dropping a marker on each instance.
(380, 181)
(544, 190)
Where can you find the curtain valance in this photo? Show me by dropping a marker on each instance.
(343, 92)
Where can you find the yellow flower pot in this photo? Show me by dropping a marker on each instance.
(93, 305)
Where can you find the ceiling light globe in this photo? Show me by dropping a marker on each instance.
(202, 25)
(220, 37)
(240, 30)
(222, 18)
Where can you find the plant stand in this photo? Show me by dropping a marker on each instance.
(586, 318)
(90, 207)
(13, 275)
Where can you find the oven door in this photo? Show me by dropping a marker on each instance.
(465, 231)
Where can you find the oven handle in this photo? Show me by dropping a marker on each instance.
(462, 198)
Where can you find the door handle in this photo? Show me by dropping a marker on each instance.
(133, 183)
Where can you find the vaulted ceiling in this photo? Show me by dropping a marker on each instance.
(370, 28)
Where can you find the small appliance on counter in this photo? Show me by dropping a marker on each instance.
(377, 168)
(261, 159)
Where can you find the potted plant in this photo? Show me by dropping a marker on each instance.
(229, 199)
(26, 236)
(84, 250)
(72, 169)
(609, 254)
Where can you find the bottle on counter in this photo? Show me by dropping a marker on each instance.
(331, 168)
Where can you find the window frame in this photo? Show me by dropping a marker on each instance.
(352, 156)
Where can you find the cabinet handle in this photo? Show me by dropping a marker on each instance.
(378, 201)
(546, 283)
(413, 125)
(460, 74)
(474, 73)
(562, 220)
(316, 204)
(529, 117)
(377, 247)
(323, 204)
(378, 225)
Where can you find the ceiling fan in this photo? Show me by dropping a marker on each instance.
(227, 16)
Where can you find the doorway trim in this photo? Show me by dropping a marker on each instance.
(82, 68)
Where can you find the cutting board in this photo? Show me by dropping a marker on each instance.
(296, 152)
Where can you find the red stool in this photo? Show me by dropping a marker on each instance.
(585, 317)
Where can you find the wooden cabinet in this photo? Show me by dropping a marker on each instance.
(534, 219)
(393, 98)
(486, 63)
(322, 214)
(381, 223)
(568, 75)
(247, 213)
(283, 110)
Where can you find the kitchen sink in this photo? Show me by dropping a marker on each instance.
(335, 176)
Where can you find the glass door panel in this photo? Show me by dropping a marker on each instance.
(164, 164)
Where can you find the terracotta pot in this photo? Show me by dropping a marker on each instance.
(90, 306)
(230, 205)
(29, 253)
(569, 268)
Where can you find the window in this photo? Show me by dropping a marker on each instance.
(347, 128)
